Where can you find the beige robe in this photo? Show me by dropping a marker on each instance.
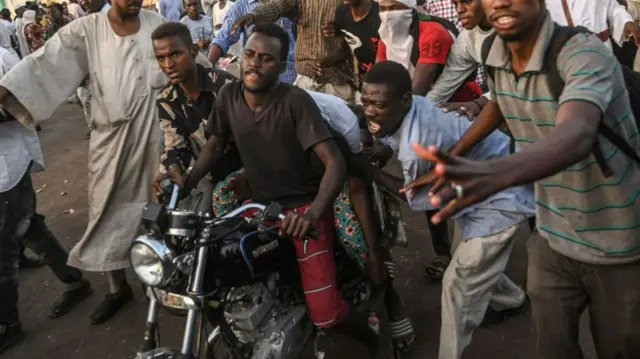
(124, 80)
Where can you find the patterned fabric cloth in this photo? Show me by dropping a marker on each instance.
(441, 8)
(183, 120)
(34, 34)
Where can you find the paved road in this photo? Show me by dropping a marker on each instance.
(73, 337)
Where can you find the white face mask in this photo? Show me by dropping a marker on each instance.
(394, 32)
(396, 22)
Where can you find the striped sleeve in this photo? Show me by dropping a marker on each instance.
(588, 69)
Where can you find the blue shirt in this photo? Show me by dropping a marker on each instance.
(225, 39)
(427, 125)
(171, 9)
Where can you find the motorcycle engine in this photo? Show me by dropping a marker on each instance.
(275, 329)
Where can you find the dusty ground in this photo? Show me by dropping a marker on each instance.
(73, 337)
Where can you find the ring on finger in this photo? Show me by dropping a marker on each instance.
(459, 191)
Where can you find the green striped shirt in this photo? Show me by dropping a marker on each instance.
(584, 215)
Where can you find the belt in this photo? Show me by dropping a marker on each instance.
(604, 36)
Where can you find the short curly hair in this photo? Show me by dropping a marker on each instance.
(393, 75)
(173, 29)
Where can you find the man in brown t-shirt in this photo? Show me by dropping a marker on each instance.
(277, 128)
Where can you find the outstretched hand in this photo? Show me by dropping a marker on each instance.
(478, 180)
(429, 178)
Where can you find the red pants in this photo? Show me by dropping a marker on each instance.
(318, 273)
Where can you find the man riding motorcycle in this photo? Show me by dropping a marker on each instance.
(257, 114)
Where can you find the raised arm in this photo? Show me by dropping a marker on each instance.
(226, 37)
(41, 82)
(275, 9)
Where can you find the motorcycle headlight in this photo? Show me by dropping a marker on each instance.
(151, 260)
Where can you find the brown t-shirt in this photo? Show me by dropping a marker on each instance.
(275, 143)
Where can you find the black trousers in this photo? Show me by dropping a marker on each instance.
(20, 224)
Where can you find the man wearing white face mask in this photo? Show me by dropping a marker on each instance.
(421, 44)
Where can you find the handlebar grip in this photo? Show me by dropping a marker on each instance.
(167, 185)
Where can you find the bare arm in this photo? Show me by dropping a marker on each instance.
(487, 121)
(423, 78)
(274, 9)
(211, 152)
(339, 55)
(571, 141)
(215, 53)
(335, 174)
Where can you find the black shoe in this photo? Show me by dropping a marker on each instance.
(112, 304)
(493, 317)
(28, 263)
(10, 334)
(70, 299)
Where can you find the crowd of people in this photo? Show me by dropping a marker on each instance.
(502, 114)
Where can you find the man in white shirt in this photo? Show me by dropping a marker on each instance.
(5, 18)
(218, 12)
(75, 9)
(607, 18)
(20, 154)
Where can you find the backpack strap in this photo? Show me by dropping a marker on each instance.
(486, 48)
(561, 34)
(414, 31)
(451, 27)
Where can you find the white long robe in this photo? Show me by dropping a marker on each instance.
(124, 79)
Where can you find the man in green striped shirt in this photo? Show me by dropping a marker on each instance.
(589, 253)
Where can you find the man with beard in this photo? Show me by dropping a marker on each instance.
(475, 278)
(257, 114)
(317, 69)
(586, 183)
(123, 152)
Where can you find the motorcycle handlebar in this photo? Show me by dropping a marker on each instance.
(263, 208)
(174, 190)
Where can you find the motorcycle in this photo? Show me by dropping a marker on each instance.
(236, 280)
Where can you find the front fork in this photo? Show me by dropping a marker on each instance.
(192, 329)
(149, 340)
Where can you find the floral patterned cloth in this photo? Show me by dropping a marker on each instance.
(34, 34)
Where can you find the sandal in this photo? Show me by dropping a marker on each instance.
(402, 334)
(435, 270)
